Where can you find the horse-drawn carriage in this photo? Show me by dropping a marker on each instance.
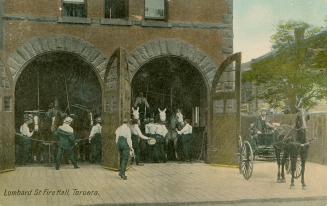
(287, 144)
(262, 143)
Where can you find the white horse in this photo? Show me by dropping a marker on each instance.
(162, 115)
(136, 114)
(179, 117)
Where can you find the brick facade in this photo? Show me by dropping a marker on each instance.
(199, 31)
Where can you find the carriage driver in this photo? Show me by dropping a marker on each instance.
(66, 142)
(136, 135)
(95, 140)
(26, 142)
(263, 127)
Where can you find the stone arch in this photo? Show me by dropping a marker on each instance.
(58, 43)
(172, 47)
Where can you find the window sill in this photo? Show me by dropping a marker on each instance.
(74, 20)
(149, 18)
(119, 22)
(159, 24)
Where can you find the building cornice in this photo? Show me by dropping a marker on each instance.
(120, 22)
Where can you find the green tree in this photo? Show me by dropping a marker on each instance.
(289, 74)
(284, 36)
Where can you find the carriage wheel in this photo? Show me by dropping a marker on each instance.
(297, 172)
(246, 164)
(240, 145)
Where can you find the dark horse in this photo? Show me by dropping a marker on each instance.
(281, 152)
(293, 144)
(82, 125)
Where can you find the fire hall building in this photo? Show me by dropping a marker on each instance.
(100, 54)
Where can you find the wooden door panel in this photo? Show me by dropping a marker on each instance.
(116, 101)
(225, 113)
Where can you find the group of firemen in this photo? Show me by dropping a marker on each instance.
(128, 139)
(63, 140)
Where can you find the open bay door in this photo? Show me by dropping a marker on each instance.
(116, 105)
(7, 124)
(225, 112)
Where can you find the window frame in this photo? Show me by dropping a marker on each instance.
(165, 18)
(3, 99)
(127, 10)
(63, 12)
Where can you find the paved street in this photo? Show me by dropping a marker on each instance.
(174, 183)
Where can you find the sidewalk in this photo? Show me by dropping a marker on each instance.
(155, 183)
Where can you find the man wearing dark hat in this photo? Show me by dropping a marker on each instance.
(263, 127)
(26, 141)
(125, 147)
(186, 135)
(66, 142)
(95, 140)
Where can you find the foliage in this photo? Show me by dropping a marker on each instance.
(284, 36)
(293, 71)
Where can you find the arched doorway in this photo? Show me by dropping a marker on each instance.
(172, 82)
(63, 80)
(14, 65)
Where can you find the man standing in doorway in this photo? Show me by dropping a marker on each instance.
(136, 136)
(143, 104)
(150, 130)
(26, 141)
(161, 132)
(66, 142)
(186, 135)
(124, 144)
(95, 139)
(179, 125)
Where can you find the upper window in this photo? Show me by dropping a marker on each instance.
(155, 9)
(4, 83)
(116, 9)
(74, 8)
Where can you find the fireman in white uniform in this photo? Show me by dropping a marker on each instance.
(150, 131)
(95, 139)
(26, 141)
(66, 142)
(159, 151)
(136, 135)
(186, 135)
(124, 145)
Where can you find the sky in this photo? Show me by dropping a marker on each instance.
(255, 21)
